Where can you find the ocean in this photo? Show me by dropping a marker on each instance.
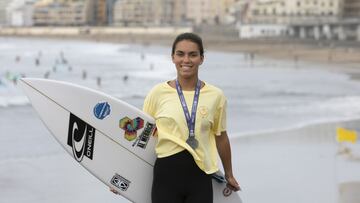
(264, 95)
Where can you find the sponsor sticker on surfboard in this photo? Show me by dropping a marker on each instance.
(101, 110)
(81, 138)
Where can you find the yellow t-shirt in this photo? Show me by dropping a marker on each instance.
(164, 105)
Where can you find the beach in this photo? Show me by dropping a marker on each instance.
(345, 54)
(282, 118)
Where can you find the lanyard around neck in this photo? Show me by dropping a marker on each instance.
(190, 119)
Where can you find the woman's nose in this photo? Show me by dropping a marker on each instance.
(186, 58)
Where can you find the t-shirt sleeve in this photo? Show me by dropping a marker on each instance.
(220, 116)
(149, 104)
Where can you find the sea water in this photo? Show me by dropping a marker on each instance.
(262, 94)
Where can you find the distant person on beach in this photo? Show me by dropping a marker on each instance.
(47, 74)
(125, 78)
(17, 58)
(61, 54)
(84, 74)
(142, 56)
(54, 68)
(37, 61)
(14, 80)
(98, 81)
(252, 57)
(188, 142)
(63, 60)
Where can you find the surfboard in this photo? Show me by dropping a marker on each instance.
(113, 140)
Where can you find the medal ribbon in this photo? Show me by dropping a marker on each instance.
(190, 120)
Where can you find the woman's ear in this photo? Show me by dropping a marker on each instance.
(172, 58)
(202, 59)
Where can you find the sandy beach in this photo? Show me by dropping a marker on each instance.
(302, 164)
(323, 51)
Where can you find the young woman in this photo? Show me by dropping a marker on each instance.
(191, 128)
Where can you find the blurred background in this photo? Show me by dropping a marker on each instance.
(290, 70)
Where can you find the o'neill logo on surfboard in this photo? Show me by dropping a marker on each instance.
(81, 137)
(131, 126)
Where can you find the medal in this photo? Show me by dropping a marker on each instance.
(192, 141)
(190, 120)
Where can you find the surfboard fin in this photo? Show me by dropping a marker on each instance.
(218, 178)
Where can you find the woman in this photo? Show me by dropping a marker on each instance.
(191, 128)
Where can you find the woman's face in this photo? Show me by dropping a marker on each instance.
(187, 59)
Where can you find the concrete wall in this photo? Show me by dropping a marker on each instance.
(262, 30)
(341, 32)
(73, 31)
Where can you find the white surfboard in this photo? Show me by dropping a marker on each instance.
(113, 140)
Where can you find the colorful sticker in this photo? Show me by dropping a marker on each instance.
(101, 110)
(130, 126)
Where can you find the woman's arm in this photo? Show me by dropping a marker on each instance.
(223, 147)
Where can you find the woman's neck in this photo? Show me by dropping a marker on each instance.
(188, 84)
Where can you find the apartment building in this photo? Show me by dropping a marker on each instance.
(149, 12)
(134, 12)
(19, 13)
(60, 13)
(165, 11)
(110, 11)
(291, 11)
(98, 12)
(204, 11)
(351, 9)
(3, 6)
(172, 12)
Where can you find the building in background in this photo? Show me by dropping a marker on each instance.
(101, 12)
(134, 13)
(19, 13)
(179, 14)
(351, 9)
(204, 11)
(172, 12)
(110, 11)
(149, 12)
(3, 14)
(316, 19)
(164, 12)
(291, 11)
(274, 18)
(61, 13)
(98, 12)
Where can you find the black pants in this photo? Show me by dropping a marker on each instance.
(177, 179)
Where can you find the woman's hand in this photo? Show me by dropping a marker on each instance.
(223, 146)
(232, 183)
(113, 190)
